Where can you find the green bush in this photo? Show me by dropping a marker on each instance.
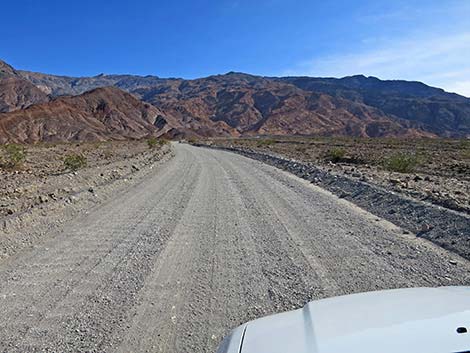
(401, 163)
(74, 162)
(153, 142)
(336, 154)
(14, 155)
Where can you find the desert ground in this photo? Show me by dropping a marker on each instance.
(183, 245)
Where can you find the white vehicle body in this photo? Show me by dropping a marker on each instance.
(410, 320)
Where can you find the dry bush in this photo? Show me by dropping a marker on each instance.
(14, 155)
(266, 142)
(153, 142)
(401, 163)
(336, 154)
(74, 162)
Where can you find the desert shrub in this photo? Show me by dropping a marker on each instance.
(464, 143)
(266, 142)
(153, 142)
(74, 162)
(465, 149)
(336, 154)
(401, 163)
(14, 155)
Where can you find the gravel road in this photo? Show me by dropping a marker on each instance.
(210, 240)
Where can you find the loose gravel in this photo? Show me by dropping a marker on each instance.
(209, 240)
(445, 227)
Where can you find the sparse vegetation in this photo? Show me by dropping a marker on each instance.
(401, 163)
(266, 142)
(465, 149)
(153, 142)
(14, 155)
(336, 154)
(74, 162)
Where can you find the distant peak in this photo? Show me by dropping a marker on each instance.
(6, 69)
(359, 77)
(236, 73)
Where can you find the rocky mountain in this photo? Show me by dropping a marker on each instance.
(100, 114)
(7, 70)
(64, 85)
(16, 93)
(250, 105)
(237, 104)
(442, 113)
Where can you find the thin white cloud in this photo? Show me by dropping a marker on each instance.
(439, 60)
(461, 87)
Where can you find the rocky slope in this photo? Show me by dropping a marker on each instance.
(16, 93)
(237, 104)
(442, 113)
(100, 114)
(7, 70)
(249, 105)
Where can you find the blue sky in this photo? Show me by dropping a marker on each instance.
(414, 39)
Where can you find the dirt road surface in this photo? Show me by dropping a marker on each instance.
(210, 240)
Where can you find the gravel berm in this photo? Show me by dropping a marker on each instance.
(208, 241)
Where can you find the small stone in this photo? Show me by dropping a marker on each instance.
(91, 189)
(453, 262)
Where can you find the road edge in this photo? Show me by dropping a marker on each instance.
(32, 226)
(445, 227)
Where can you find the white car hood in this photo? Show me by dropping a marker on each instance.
(399, 321)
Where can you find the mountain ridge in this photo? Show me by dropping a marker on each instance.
(239, 104)
(100, 114)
